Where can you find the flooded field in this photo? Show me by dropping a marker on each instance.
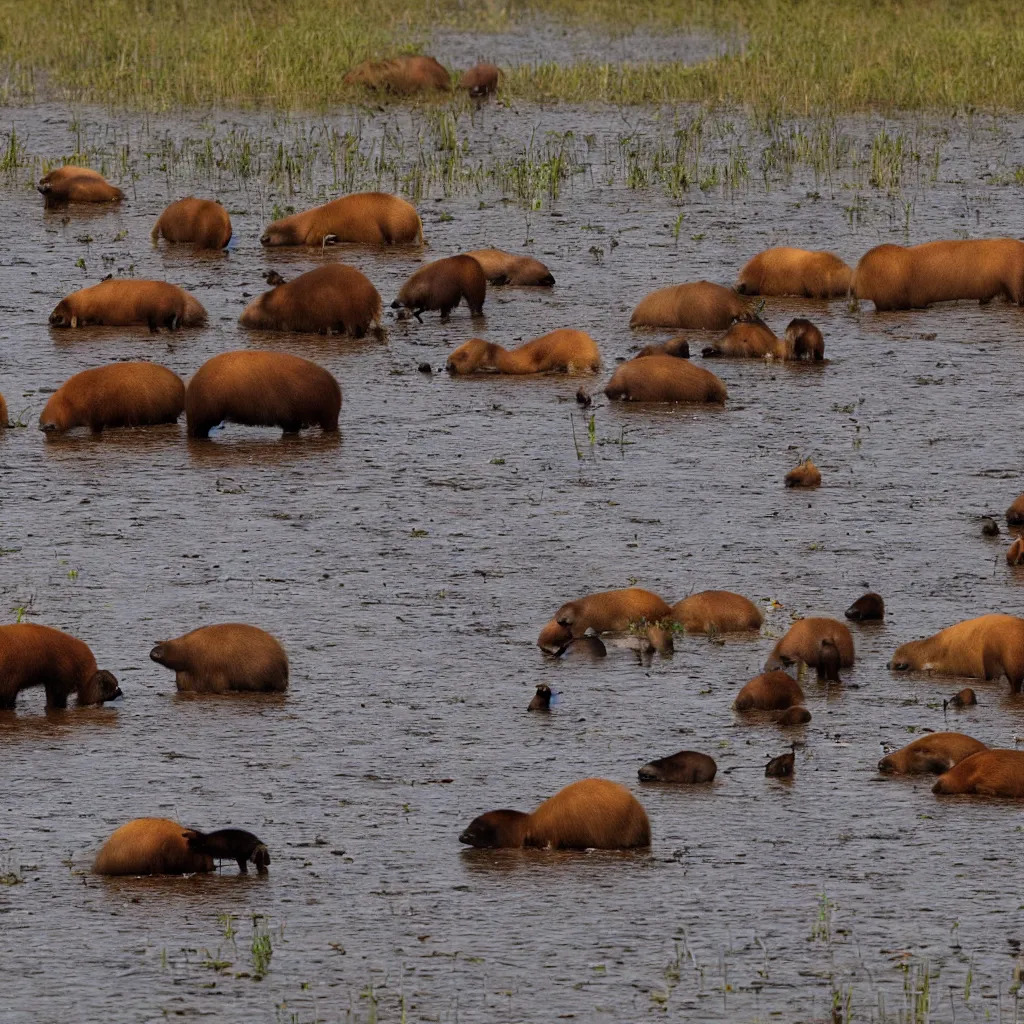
(408, 564)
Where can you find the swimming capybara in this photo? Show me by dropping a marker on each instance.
(225, 658)
(150, 846)
(34, 655)
(230, 844)
(665, 379)
(798, 715)
(686, 767)
(930, 755)
(371, 218)
(564, 351)
(331, 299)
(699, 306)
(117, 302)
(76, 185)
(717, 611)
(1015, 552)
(803, 643)
(404, 74)
(772, 691)
(806, 474)
(748, 339)
(869, 608)
(481, 79)
(987, 647)
(677, 346)
(589, 814)
(541, 700)
(608, 611)
(804, 341)
(1015, 513)
(118, 395)
(442, 285)
(202, 222)
(781, 767)
(986, 773)
(899, 277)
(799, 272)
(965, 698)
(504, 268)
(4, 421)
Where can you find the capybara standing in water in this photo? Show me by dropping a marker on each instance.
(806, 474)
(230, 844)
(589, 814)
(1015, 513)
(748, 339)
(986, 773)
(505, 268)
(869, 608)
(481, 79)
(76, 185)
(150, 846)
(128, 303)
(332, 298)
(262, 389)
(404, 74)
(608, 611)
(772, 691)
(33, 655)
(930, 755)
(202, 222)
(119, 395)
(804, 341)
(717, 611)
(562, 351)
(799, 272)
(665, 379)
(371, 218)
(442, 285)
(802, 643)
(224, 658)
(699, 306)
(686, 767)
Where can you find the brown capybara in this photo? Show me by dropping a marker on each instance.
(806, 474)
(748, 339)
(33, 655)
(1015, 513)
(828, 661)
(589, 814)
(202, 222)
(794, 716)
(803, 643)
(804, 341)
(442, 285)
(76, 185)
(987, 647)
(699, 306)
(900, 277)
(678, 347)
(504, 268)
(799, 272)
(370, 218)
(608, 611)
(781, 767)
(541, 700)
(331, 299)
(119, 395)
(261, 389)
(231, 844)
(481, 79)
(986, 773)
(717, 611)
(561, 351)
(150, 846)
(965, 698)
(128, 303)
(772, 691)
(869, 608)
(225, 658)
(686, 767)
(930, 755)
(404, 74)
(1015, 552)
(665, 379)
(4, 421)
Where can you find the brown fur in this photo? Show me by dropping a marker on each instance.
(986, 773)
(371, 218)
(608, 611)
(481, 79)
(869, 608)
(718, 611)
(804, 341)
(964, 698)
(678, 347)
(127, 303)
(800, 272)
(772, 691)
(806, 474)
(665, 379)
(202, 222)
(72, 184)
(262, 389)
(150, 846)
(930, 755)
(748, 339)
(541, 700)
(231, 844)
(828, 661)
(803, 643)
(781, 767)
(561, 351)
(699, 306)
(686, 767)
(1015, 513)
(505, 268)
(1015, 552)
(443, 284)
(224, 658)
(4, 420)
(794, 716)
(403, 75)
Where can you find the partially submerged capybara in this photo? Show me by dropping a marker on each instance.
(748, 339)
(224, 658)
(481, 79)
(806, 474)
(118, 302)
(987, 647)
(403, 74)
(608, 611)
(781, 767)
(965, 698)
(371, 218)
(665, 379)
(771, 691)
(1015, 552)
(505, 268)
(717, 611)
(541, 700)
(4, 421)
(230, 844)
(150, 846)
(687, 766)
(561, 351)
(34, 655)
(72, 184)
(333, 298)
(1015, 513)
(799, 272)
(828, 661)
(802, 643)
(589, 814)
(901, 277)
(699, 306)
(118, 395)
(797, 715)
(262, 389)
(677, 346)
(869, 608)
(442, 285)
(986, 773)
(202, 222)
(930, 755)
(804, 341)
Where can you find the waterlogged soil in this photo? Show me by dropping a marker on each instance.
(408, 564)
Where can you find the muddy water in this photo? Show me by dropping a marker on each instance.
(408, 565)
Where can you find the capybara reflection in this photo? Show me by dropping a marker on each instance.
(781, 767)
(802, 643)
(481, 79)
(987, 647)
(122, 303)
(505, 268)
(772, 691)
(150, 846)
(225, 658)
(608, 611)
(1015, 552)
(804, 341)
(930, 755)
(794, 716)
(986, 773)
(4, 421)
(331, 299)
(665, 379)
(748, 339)
(371, 218)
(119, 395)
(1015, 513)
(563, 351)
(541, 700)
(34, 655)
(828, 661)
(685, 767)
(799, 272)
(231, 844)
(965, 698)
(678, 347)
(72, 184)
(442, 285)
(806, 474)
(699, 306)
(899, 277)
(202, 222)
(262, 389)
(589, 814)
(869, 608)
(404, 74)
(717, 611)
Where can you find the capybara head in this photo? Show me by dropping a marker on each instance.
(798, 715)
(869, 608)
(62, 315)
(100, 687)
(781, 767)
(496, 830)
(163, 654)
(907, 658)
(964, 699)
(553, 637)
(286, 231)
(466, 358)
(804, 340)
(541, 699)
(828, 661)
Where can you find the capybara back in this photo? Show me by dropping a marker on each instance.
(202, 222)
(150, 846)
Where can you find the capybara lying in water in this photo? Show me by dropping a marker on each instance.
(442, 285)
(699, 306)
(800, 272)
(202, 222)
(930, 755)
(224, 658)
(772, 691)
(403, 74)
(806, 474)
(1015, 552)
(261, 389)
(32, 655)
(332, 298)
(987, 647)
(505, 268)
(804, 341)
(150, 846)
(665, 379)
(481, 79)
(372, 218)
(590, 814)
(677, 346)
(1015, 513)
(748, 339)
(231, 844)
(564, 351)
(899, 277)
(803, 643)
(118, 395)
(128, 303)
(986, 773)
(686, 767)
(717, 611)
(869, 608)
(76, 185)
(608, 611)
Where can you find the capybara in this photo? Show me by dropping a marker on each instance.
(665, 379)
(231, 844)
(677, 346)
(781, 767)
(794, 716)
(505, 268)
(33, 655)
(799, 272)
(772, 691)
(261, 389)
(564, 351)
(541, 700)
(608, 611)
(224, 658)
(481, 79)
(965, 698)
(371, 218)
(202, 222)
(4, 421)
(150, 846)
(686, 767)
(986, 773)
(332, 298)
(1015, 513)
(987, 647)
(806, 474)
(1015, 552)
(930, 755)
(803, 643)
(589, 814)
(72, 184)
(717, 611)
(442, 285)
(404, 74)
(699, 306)
(899, 277)
(804, 341)
(118, 395)
(117, 302)
(869, 608)
(828, 661)
(748, 339)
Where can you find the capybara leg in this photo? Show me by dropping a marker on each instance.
(7, 703)
(416, 313)
(291, 427)
(445, 311)
(241, 866)
(173, 322)
(154, 327)
(199, 430)
(1016, 682)
(56, 698)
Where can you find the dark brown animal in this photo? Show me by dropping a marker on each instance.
(71, 184)
(541, 699)
(665, 379)
(803, 644)
(504, 268)
(128, 303)
(150, 846)
(230, 844)
(748, 339)
(202, 222)
(772, 691)
(781, 767)
(828, 661)
(804, 341)
(986, 773)
(806, 474)
(370, 218)
(965, 698)
(686, 767)
(930, 755)
(481, 79)
(678, 347)
(561, 351)
(869, 608)
(608, 611)
(793, 716)
(403, 75)
(718, 611)
(1015, 513)
(699, 306)
(799, 272)
(442, 285)
(225, 658)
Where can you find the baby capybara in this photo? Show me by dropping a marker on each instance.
(561, 351)
(505, 268)
(225, 658)
(869, 608)
(119, 395)
(404, 74)
(230, 844)
(150, 846)
(202, 222)
(685, 767)
(541, 700)
(799, 272)
(699, 306)
(781, 767)
(748, 339)
(371, 218)
(72, 184)
(331, 299)
(717, 611)
(608, 611)
(806, 474)
(128, 303)
(665, 379)
(262, 389)
(481, 79)
(442, 285)
(930, 755)
(1015, 513)
(986, 773)
(772, 691)
(802, 643)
